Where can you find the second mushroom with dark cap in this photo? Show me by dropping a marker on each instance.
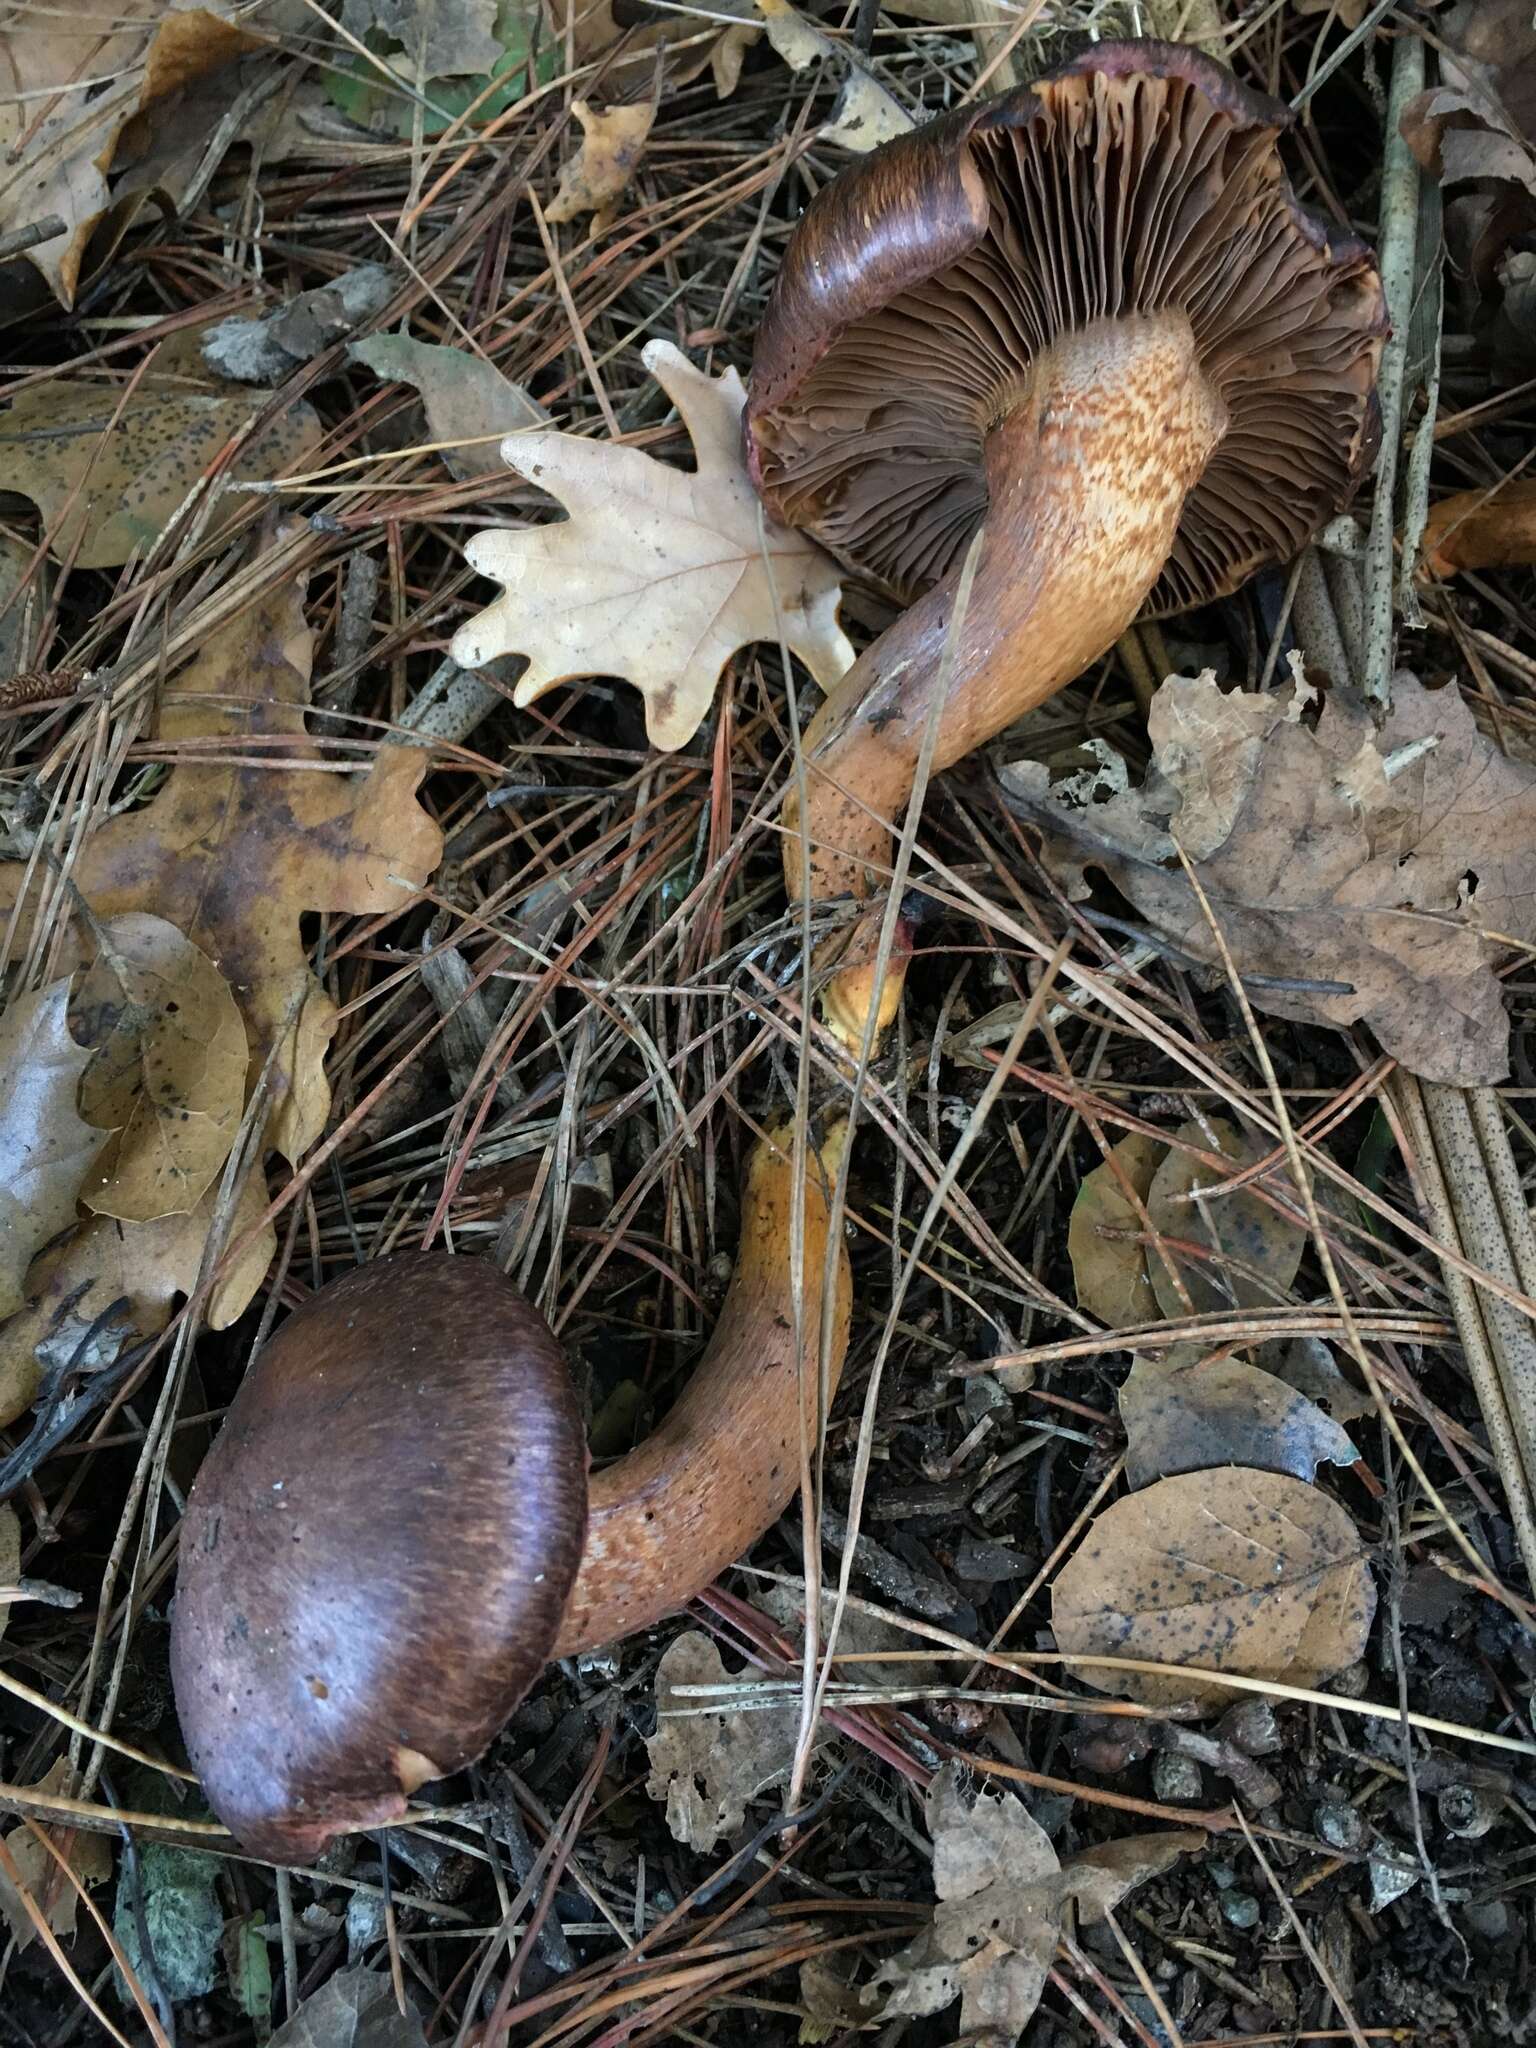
(1092, 315)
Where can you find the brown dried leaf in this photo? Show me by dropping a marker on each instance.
(167, 1071)
(236, 852)
(1110, 1273)
(1254, 1250)
(1482, 529)
(89, 1856)
(613, 142)
(706, 1766)
(59, 145)
(353, 2009)
(656, 576)
(143, 1264)
(1249, 1572)
(114, 483)
(1399, 886)
(865, 114)
(466, 398)
(1101, 1877)
(994, 1929)
(1219, 1411)
(46, 1147)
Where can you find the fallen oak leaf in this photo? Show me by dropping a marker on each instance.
(613, 142)
(1380, 870)
(109, 475)
(46, 1146)
(142, 1266)
(656, 576)
(1249, 1572)
(71, 87)
(167, 1070)
(706, 1766)
(235, 852)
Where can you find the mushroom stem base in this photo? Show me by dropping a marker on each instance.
(1087, 476)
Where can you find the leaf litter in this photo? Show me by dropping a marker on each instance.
(1383, 871)
(46, 1146)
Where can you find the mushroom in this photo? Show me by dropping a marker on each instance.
(385, 1544)
(1091, 315)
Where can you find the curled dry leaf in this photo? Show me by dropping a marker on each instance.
(656, 576)
(1249, 1572)
(74, 79)
(1219, 1411)
(143, 1265)
(1482, 529)
(167, 1071)
(46, 1146)
(107, 481)
(236, 852)
(1251, 1250)
(613, 142)
(88, 1856)
(1110, 1272)
(466, 398)
(1382, 868)
(706, 1766)
(1097, 1879)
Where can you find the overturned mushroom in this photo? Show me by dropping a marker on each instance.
(385, 1545)
(1092, 315)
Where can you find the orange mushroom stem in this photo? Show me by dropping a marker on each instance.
(394, 1531)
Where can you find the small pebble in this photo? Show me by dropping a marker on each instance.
(1339, 1824)
(1176, 1780)
(1251, 1727)
(1240, 1909)
(1468, 1811)
(1222, 1875)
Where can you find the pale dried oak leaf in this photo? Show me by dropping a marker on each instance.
(1394, 862)
(657, 576)
(46, 1146)
(167, 1071)
(235, 851)
(1232, 1570)
(141, 1266)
